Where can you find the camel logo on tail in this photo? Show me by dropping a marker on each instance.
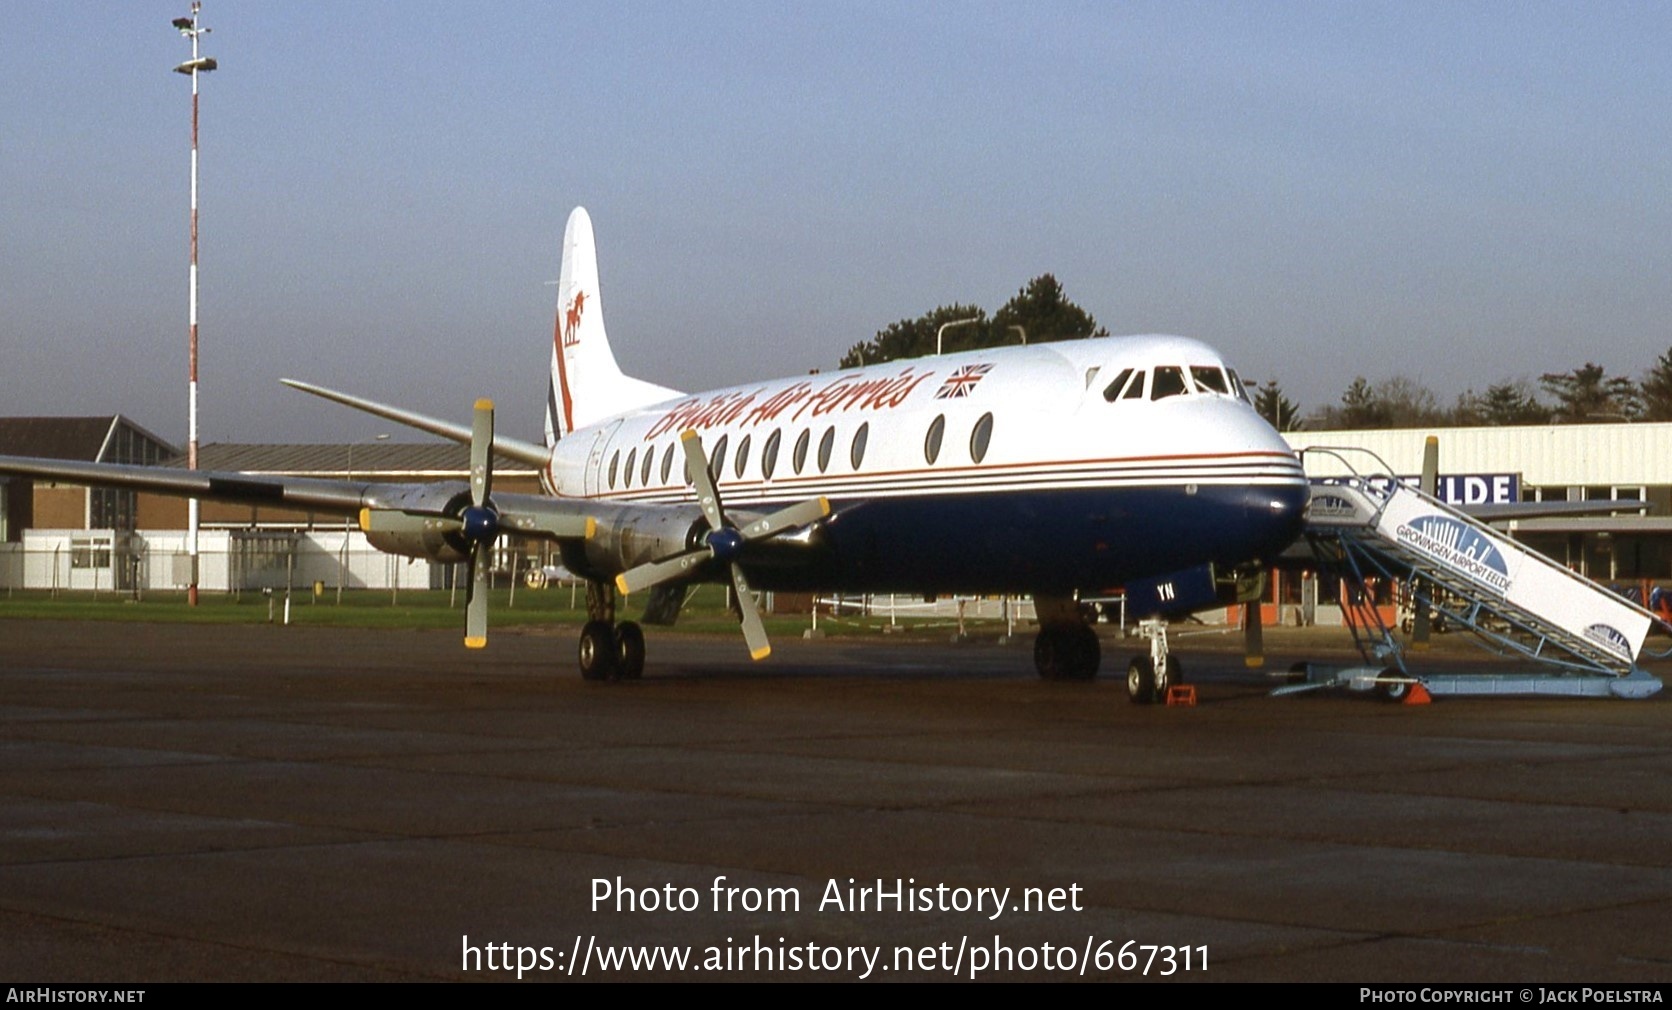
(572, 320)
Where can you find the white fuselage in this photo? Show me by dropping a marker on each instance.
(1032, 438)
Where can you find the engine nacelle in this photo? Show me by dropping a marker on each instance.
(634, 537)
(431, 545)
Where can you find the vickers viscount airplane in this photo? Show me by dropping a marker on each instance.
(1052, 469)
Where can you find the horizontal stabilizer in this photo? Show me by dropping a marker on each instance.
(522, 452)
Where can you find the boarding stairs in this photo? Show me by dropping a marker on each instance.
(1581, 638)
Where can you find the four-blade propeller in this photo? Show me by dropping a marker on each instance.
(477, 523)
(722, 544)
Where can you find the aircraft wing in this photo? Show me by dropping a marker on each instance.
(534, 515)
(211, 485)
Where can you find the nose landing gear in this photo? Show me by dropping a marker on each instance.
(1149, 675)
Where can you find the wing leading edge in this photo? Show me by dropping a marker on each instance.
(317, 494)
(532, 515)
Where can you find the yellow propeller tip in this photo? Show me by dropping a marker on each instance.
(476, 643)
(621, 584)
(365, 520)
(591, 527)
(1254, 662)
(760, 653)
(484, 404)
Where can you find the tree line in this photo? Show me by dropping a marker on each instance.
(1583, 395)
(1041, 312)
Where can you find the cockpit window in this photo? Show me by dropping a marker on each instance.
(1237, 388)
(1169, 381)
(1112, 391)
(1209, 379)
(1135, 388)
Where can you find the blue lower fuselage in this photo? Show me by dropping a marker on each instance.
(1054, 541)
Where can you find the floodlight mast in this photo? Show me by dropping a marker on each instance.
(191, 30)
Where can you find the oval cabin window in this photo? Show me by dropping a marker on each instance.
(717, 463)
(799, 457)
(741, 462)
(980, 437)
(827, 445)
(932, 441)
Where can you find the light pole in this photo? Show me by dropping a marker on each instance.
(190, 29)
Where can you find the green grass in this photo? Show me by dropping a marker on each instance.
(705, 612)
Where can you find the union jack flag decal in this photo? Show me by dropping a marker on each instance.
(962, 381)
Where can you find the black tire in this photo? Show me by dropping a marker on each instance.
(1140, 680)
(597, 652)
(1086, 651)
(1049, 660)
(629, 650)
(1067, 652)
(1395, 691)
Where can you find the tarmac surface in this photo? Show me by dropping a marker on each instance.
(256, 803)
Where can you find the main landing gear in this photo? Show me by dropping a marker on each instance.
(1066, 647)
(1067, 652)
(609, 651)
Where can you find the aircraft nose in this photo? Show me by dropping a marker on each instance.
(1276, 515)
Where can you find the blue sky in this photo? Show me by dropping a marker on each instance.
(1457, 193)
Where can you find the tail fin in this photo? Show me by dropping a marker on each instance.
(586, 384)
